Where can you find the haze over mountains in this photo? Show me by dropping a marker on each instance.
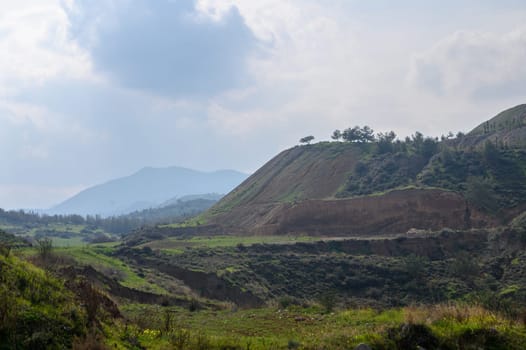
(147, 188)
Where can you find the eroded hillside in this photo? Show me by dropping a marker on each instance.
(354, 188)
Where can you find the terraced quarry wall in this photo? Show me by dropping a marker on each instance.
(394, 212)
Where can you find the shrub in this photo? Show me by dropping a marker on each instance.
(45, 248)
(327, 301)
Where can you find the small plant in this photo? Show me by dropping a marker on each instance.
(180, 339)
(202, 342)
(5, 249)
(328, 302)
(292, 344)
(285, 302)
(194, 305)
(91, 303)
(92, 341)
(45, 248)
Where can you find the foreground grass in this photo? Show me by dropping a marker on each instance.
(449, 326)
(287, 326)
(36, 310)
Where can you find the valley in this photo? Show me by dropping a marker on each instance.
(418, 243)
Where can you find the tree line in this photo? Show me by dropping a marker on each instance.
(117, 225)
(387, 141)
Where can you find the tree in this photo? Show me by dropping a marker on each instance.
(357, 134)
(307, 139)
(336, 135)
(429, 147)
(385, 141)
(351, 134)
(367, 134)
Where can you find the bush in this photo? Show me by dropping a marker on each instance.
(328, 302)
(45, 248)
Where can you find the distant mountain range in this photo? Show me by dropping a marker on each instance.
(149, 188)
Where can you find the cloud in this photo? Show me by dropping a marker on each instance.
(95, 89)
(164, 47)
(477, 65)
(35, 46)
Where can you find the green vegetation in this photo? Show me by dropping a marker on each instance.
(36, 310)
(307, 139)
(491, 179)
(100, 258)
(444, 326)
(76, 230)
(319, 294)
(179, 244)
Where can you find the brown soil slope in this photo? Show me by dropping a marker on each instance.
(294, 193)
(307, 172)
(394, 212)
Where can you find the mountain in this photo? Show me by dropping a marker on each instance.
(147, 188)
(350, 188)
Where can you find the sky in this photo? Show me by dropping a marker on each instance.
(92, 90)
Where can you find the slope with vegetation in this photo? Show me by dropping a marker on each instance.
(377, 184)
(76, 230)
(36, 310)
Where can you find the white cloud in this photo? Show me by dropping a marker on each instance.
(308, 74)
(474, 64)
(35, 46)
(315, 66)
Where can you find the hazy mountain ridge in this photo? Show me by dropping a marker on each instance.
(149, 187)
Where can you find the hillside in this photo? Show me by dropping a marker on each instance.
(350, 188)
(174, 210)
(507, 128)
(147, 188)
(37, 311)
